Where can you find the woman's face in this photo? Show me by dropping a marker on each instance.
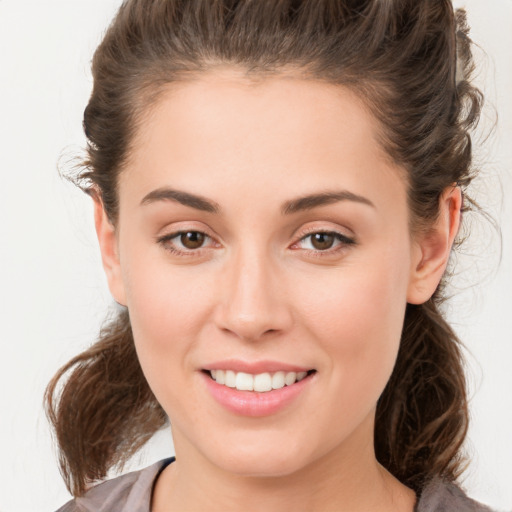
(263, 231)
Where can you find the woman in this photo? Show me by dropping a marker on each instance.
(277, 186)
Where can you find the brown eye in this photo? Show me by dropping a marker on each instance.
(186, 243)
(322, 241)
(327, 242)
(192, 239)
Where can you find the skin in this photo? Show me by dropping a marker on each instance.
(259, 288)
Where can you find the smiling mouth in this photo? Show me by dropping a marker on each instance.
(260, 383)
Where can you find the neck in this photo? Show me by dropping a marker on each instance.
(347, 479)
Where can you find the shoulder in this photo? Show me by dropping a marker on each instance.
(442, 496)
(130, 492)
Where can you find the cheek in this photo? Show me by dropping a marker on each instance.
(357, 317)
(167, 311)
(167, 317)
(161, 296)
(164, 305)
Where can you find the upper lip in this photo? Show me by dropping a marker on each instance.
(255, 367)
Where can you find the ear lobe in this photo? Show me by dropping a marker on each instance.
(107, 239)
(433, 248)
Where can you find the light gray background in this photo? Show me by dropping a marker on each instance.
(53, 292)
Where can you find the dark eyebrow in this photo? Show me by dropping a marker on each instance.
(185, 198)
(321, 199)
(292, 206)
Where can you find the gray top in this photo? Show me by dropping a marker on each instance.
(132, 493)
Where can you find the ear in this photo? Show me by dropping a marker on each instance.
(107, 239)
(433, 248)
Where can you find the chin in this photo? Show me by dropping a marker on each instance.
(262, 466)
(264, 458)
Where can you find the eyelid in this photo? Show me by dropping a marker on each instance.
(325, 229)
(328, 230)
(345, 241)
(177, 234)
(179, 227)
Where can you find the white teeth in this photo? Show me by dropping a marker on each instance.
(230, 381)
(260, 383)
(244, 381)
(278, 380)
(290, 378)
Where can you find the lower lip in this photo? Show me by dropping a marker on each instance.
(252, 403)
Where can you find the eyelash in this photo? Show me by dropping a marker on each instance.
(344, 242)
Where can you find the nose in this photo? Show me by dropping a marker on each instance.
(252, 299)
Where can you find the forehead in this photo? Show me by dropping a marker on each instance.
(285, 104)
(226, 128)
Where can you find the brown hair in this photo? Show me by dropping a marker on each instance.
(409, 61)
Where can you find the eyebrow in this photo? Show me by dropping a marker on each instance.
(289, 207)
(185, 198)
(321, 199)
